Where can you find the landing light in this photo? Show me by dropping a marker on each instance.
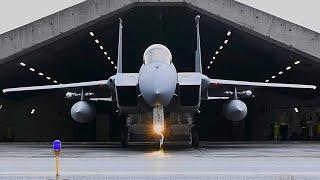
(97, 41)
(229, 33)
(32, 69)
(225, 41)
(297, 62)
(273, 77)
(91, 34)
(22, 64)
(288, 68)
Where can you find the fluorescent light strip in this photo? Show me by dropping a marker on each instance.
(109, 58)
(48, 77)
(101, 47)
(208, 67)
(288, 68)
(211, 62)
(280, 72)
(40, 73)
(267, 80)
(22, 64)
(91, 34)
(105, 53)
(229, 33)
(273, 77)
(221, 47)
(297, 62)
(32, 69)
(55, 81)
(226, 41)
(97, 41)
(217, 52)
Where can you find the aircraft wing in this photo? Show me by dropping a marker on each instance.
(58, 86)
(259, 84)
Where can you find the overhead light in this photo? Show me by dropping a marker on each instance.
(213, 57)
(1, 106)
(40, 73)
(288, 68)
(32, 111)
(217, 52)
(32, 69)
(97, 41)
(101, 47)
(55, 81)
(22, 64)
(109, 57)
(115, 67)
(229, 33)
(267, 80)
(221, 47)
(208, 67)
(273, 77)
(211, 62)
(91, 34)
(48, 77)
(105, 53)
(111, 62)
(296, 110)
(225, 41)
(297, 62)
(280, 72)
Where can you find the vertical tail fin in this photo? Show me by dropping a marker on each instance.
(198, 65)
(119, 63)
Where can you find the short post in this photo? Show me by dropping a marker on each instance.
(56, 147)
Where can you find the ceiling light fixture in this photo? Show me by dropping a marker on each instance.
(115, 67)
(208, 67)
(40, 73)
(267, 80)
(213, 57)
(97, 41)
(22, 64)
(91, 34)
(296, 110)
(111, 62)
(32, 69)
(55, 81)
(217, 52)
(48, 77)
(225, 41)
(229, 33)
(32, 111)
(105, 53)
(288, 68)
(297, 62)
(109, 58)
(280, 72)
(101, 47)
(273, 77)
(211, 62)
(221, 47)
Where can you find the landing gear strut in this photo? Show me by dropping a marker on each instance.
(195, 131)
(125, 135)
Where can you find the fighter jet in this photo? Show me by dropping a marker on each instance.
(160, 89)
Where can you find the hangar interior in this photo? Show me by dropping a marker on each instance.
(237, 55)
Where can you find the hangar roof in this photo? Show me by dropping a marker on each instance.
(60, 46)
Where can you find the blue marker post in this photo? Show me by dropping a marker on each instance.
(56, 147)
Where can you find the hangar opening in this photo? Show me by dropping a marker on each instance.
(228, 52)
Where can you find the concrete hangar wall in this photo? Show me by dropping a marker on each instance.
(259, 47)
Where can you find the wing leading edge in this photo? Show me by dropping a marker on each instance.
(260, 84)
(58, 86)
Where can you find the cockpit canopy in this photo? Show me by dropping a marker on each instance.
(157, 53)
